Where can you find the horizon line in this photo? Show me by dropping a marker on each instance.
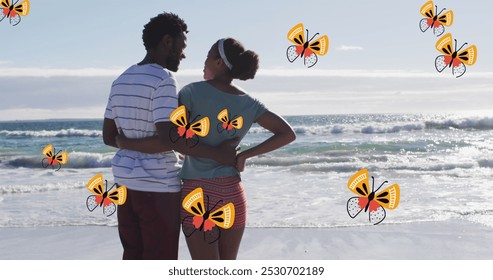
(269, 72)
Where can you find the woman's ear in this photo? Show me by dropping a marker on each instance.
(219, 62)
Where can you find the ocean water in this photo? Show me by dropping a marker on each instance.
(442, 163)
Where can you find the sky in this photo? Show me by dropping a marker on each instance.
(60, 60)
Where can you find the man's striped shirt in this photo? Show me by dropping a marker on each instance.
(140, 97)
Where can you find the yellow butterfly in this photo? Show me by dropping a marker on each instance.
(104, 197)
(453, 57)
(306, 48)
(435, 19)
(186, 129)
(52, 158)
(373, 200)
(205, 219)
(14, 11)
(230, 125)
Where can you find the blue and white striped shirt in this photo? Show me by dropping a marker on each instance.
(141, 97)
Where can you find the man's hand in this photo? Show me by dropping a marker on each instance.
(120, 140)
(226, 152)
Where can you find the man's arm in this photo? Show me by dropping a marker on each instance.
(225, 153)
(110, 131)
(148, 145)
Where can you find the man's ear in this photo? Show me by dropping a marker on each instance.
(166, 42)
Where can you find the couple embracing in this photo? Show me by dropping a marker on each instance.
(137, 122)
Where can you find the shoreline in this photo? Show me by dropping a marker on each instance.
(442, 240)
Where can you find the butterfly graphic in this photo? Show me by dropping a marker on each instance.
(435, 19)
(454, 58)
(227, 123)
(14, 11)
(106, 198)
(372, 201)
(52, 158)
(306, 48)
(188, 130)
(206, 219)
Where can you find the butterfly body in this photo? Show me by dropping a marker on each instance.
(53, 159)
(434, 19)
(307, 49)
(227, 123)
(207, 219)
(188, 130)
(453, 57)
(104, 197)
(14, 11)
(371, 201)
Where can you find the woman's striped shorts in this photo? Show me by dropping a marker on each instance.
(220, 191)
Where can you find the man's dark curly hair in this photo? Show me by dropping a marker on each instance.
(160, 25)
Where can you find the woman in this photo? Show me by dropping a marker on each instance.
(231, 112)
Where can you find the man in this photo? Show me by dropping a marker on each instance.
(140, 103)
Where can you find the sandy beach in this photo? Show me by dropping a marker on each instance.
(448, 240)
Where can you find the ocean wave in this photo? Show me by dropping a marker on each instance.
(53, 185)
(76, 160)
(70, 132)
(486, 163)
(392, 129)
(296, 161)
(351, 165)
(363, 126)
(468, 123)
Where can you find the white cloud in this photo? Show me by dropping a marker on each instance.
(59, 72)
(92, 112)
(285, 91)
(197, 73)
(349, 48)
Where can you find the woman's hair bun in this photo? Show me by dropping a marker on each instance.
(245, 62)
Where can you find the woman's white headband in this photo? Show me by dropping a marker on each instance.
(220, 46)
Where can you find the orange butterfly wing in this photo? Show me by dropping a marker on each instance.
(389, 197)
(446, 18)
(179, 116)
(358, 183)
(320, 46)
(200, 127)
(444, 44)
(469, 55)
(48, 151)
(297, 34)
(428, 10)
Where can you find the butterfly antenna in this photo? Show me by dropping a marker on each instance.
(372, 183)
(312, 36)
(461, 47)
(384, 182)
(216, 204)
(218, 236)
(440, 11)
(195, 118)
